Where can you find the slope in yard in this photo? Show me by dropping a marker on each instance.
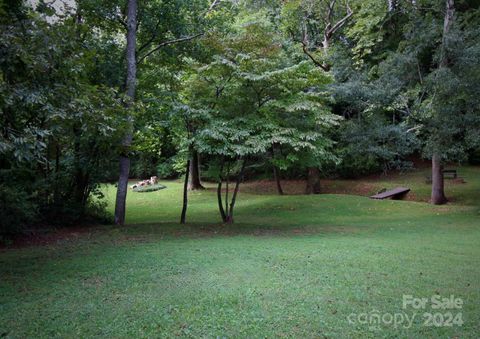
(297, 266)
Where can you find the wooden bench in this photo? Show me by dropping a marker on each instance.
(447, 174)
(395, 194)
(451, 173)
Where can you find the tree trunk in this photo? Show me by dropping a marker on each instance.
(219, 194)
(313, 176)
(220, 202)
(235, 192)
(276, 172)
(447, 23)
(227, 188)
(438, 193)
(194, 182)
(276, 176)
(313, 181)
(392, 4)
(185, 194)
(120, 202)
(121, 197)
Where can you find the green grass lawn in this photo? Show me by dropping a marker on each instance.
(291, 266)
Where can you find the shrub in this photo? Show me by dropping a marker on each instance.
(166, 169)
(96, 211)
(474, 157)
(372, 145)
(143, 167)
(17, 210)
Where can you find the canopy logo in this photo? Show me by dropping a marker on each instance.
(419, 308)
(374, 319)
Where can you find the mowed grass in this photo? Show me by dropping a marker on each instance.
(291, 266)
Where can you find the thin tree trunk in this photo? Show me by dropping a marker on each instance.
(313, 176)
(120, 202)
(227, 188)
(447, 23)
(185, 194)
(328, 32)
(220, 202)
(276, 172)
(219, 193)
(235, 192)
(438, 186)
(313, 181)
(276, 175)
(392, 4)
(194, 182)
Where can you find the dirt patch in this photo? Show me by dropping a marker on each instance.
(63, 236)
(457, 181)
(49, 237)
(297, 187)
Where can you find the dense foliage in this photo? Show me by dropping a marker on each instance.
(58, 122)
(230, 89)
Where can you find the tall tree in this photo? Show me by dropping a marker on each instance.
(303, 20)
(151, 28)
(130, 85)
(270, 99)
(415, 65)
(438, 190)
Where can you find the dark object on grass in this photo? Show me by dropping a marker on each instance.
(447, 174)
(395, 194)
(450, 173)
(150, 188)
